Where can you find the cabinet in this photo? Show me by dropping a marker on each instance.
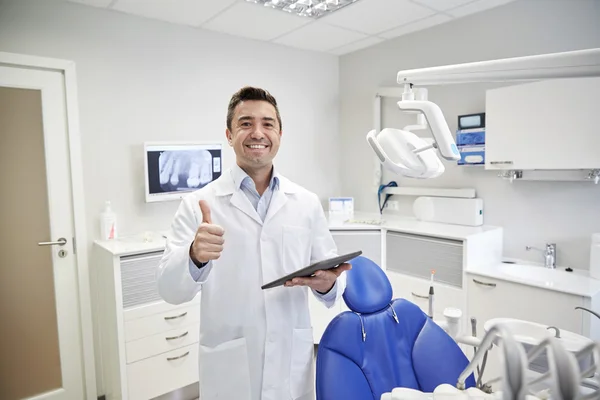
(369, 241)
(411, 258)
(148, 347)
(545, 125)
(494, 298)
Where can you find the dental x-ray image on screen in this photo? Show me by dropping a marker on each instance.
(175, 169)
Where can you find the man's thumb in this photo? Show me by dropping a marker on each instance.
(205, 212)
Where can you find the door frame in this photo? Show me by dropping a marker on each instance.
(67, 69)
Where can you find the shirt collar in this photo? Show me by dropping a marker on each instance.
(240, 177)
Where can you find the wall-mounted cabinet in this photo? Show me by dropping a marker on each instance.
(544, 125)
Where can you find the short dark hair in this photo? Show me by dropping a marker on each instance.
(250, 93)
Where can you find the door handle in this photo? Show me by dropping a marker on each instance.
(59, 242)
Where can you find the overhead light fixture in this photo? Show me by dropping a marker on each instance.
(305, 8)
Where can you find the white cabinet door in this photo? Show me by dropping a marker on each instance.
(489, 298)
(494, 298)
(367, 241)
(416, 291)
(539, 126)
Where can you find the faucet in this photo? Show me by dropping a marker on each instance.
(557, 331)
(549, 255)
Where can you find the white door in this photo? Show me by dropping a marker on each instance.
(40, 342)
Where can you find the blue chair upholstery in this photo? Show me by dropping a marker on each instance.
(382, 343)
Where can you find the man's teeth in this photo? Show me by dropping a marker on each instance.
(257, 146)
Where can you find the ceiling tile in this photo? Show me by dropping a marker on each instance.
(476, 6)
(374, 16)
(93, 3)
(442, 5)
(361, 44)
(186, 12)
(256, 22)
(416, 26)
(319, 36)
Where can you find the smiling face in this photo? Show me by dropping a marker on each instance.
(254, 134)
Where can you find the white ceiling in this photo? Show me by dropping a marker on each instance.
(356, 26)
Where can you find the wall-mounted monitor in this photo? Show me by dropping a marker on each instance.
(173, 169)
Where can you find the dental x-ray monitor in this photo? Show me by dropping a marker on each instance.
(173, 169)
(403, 152)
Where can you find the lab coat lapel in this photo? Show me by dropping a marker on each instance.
(280, 196)
(241, 202)
(225, 186)
(277, 202)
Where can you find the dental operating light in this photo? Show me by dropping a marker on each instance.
(403, 152)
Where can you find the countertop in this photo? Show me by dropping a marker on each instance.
(576, 283)
(371, 221)
(360, 221)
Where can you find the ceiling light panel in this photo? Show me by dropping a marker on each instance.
(305, 8)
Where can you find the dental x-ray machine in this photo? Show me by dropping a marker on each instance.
(403, 152)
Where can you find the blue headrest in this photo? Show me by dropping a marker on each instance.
(367, 289)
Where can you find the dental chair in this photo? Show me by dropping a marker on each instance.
(382, 343)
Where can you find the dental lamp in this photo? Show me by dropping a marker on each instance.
(403, 152)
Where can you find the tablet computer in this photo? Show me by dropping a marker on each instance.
(311, 269)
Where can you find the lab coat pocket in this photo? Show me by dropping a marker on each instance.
(224, 371)
(301, 369)
(296, 247)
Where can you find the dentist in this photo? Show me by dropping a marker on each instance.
(247, 228)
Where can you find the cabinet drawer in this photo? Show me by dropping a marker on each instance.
(416, 291)
(494, 298)
(417, 255)
(161, 322)
(158, 307)
(162, 342)
(164, 373)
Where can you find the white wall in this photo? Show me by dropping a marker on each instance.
(532, 213)
(142, 80)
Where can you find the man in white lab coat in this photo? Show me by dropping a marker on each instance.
(247, 228)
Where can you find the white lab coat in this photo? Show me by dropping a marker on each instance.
(245, 331)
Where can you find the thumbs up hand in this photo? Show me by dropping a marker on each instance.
(208, 242)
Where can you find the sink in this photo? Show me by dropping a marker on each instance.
(530, 334)
(576, 282)
(535, 273)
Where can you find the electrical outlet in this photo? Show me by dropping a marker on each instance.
(392, 205)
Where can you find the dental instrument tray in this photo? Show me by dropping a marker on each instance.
(311, 269)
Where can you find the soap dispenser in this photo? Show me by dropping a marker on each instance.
(108, 223)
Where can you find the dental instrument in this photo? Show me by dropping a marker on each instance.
(513, 379)
(431, 294)
(402, 152)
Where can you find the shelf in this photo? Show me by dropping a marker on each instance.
(465, 193)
